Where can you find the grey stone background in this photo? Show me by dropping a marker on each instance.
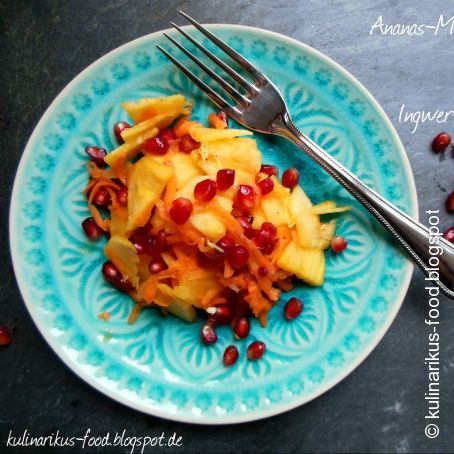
(380, 407)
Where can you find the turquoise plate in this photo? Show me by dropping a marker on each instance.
(158, 365)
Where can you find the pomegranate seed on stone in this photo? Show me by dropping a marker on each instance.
(269, 170)
(187, 144)
(119, 128)
(231, 356)
(102, 197)
(157, 265)
(266, 185)
(441, 142)
(245, 197)
(241, 328)
(180, 210)
(293, 308)
(205, 190)
(113, 275)
(450, 202)
(97, 155)
(91, 229)
(238, 256)
(290, 178)
(220, 315)
(256, 350)
(338, 244)
(449, 234)
(5, 336)
(208, 334)
(156, 146)
(225, 178)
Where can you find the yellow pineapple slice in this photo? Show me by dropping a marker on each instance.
(185, 168)
(175, 305)
(210, 134)
(122, 253)
(193, 291)
(329, 206)
(308, 229)
(149, 107)
(118, 221)
(147, 179)
(276, 210)
(207, 224)
(140, 130)
(299, 201)
(306, 264)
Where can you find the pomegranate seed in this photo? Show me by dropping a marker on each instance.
(449, 234)
(97, 155)
(293, 308)
(5, 336)
(156, 266)
(167, 135)
(209, 261)
(268, 248)
(102, 197)
(180, 210)
(266, 185)
(263, 271)
(251, 233)
(205, 190)
(338, 244)
(241, 328)
(441, 142)
(119, 128)
(187, 144)
(113, 275)
(220, 315)
(266, 234)
(290, 178)
(245, 197)
(450, 202)
(225, 178)
(91, 229)
(156, 146)
(238, 256)
(245, 221)
(160, 241)
(122, 196)
(231, 356)
(226, 243)
(223, 117)
(142, 241)
(256, 350)
(208, 334)
(269, 170)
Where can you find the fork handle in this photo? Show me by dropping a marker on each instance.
(414, 237)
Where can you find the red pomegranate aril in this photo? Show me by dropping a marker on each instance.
(293, 308)
(187, 144)
(97, 155)
(220, 315)
(181, 210)
(256, 350)
(263, 271)
(157, 265)
(223, 117)
(91, 229)
(208, 334)
(205, 190)
(266, 185)
(290, 178)
(160, 242)
(338, 244)
(266, 234)
(269, 170)
(245, 197)
(226, 243)
(156, 146)
(245, 221)
(225, 179)
(450, 202)
(449, 234)
(113, 275)
(102, 197)
(251, 233)
(241, 328)
(5, 336)
(441, 142)
(231, 356)
(122, 196)
(167, 135)
(119, 128)
(238, 256)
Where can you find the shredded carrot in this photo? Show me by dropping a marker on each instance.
(134, 314)
(171, 189)
(216, 122)
(104, 316)
(148, 289)
(209, 296)
(184, 126)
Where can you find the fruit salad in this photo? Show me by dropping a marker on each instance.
(197, 223)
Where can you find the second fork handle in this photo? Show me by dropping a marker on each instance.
(412, 235)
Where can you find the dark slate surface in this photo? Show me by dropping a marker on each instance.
(380, 406)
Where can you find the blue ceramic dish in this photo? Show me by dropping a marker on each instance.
(158, 365)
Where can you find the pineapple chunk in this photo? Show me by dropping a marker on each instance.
(122, 253)
(147, 180)
(299, 201)
(224, 203)
(118, 221)
(328, 207)
(276, 210)
(140, 130)
(258, 217)
(210, 134)
(193, 291)
(174, 305)
(306, 264)
(185, 168)
(208, 225)
(149, 107)
(327, 231)
(308, 229)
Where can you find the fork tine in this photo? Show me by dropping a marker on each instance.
(231, 72)
(235, 94)
(245, 64)
(221, 102)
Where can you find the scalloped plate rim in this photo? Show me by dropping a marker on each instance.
(251, 415)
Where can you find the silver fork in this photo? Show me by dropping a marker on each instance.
(263, 109)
